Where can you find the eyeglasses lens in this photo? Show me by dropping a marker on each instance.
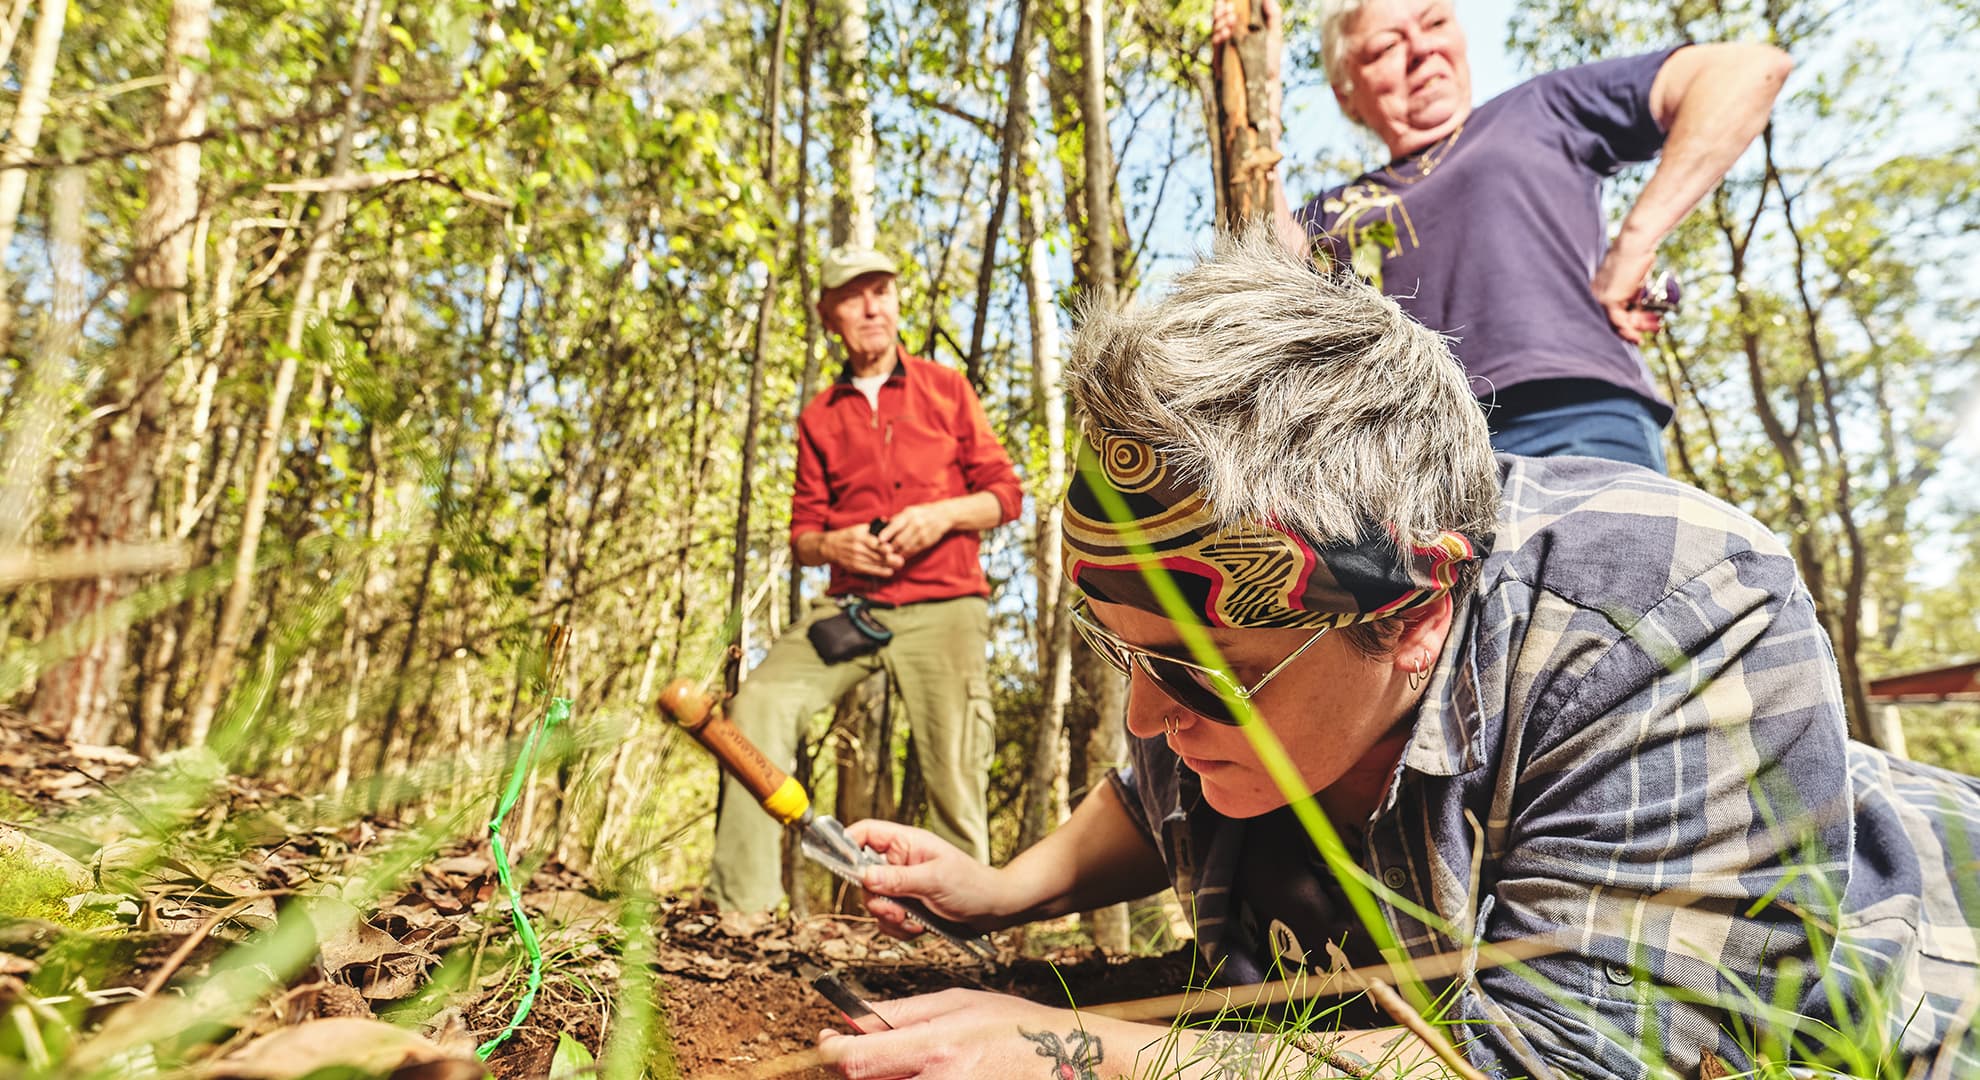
(1186, 686)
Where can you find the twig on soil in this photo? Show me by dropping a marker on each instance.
(186, 947)
(788, 1064)
(1393, 1004)
(1348, 1064)
(474, 966)
(1280, 991)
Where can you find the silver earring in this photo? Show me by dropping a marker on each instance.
(1418, 676)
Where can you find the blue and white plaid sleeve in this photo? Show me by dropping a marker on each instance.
(1677, 814)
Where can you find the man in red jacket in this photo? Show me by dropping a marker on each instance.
(903, 442)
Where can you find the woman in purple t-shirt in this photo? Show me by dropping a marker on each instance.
(1500, 237)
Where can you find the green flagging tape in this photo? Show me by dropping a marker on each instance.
(559, 711)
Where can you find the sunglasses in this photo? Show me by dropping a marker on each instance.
(1205, 691)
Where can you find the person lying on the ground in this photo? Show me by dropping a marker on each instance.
(1557, 701)
(1500, 238)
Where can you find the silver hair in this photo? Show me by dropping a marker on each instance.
(1288, 394)
(1334, 16)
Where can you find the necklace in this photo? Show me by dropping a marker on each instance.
(1427, 162)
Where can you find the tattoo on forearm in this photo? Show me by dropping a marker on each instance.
(1073, 1058)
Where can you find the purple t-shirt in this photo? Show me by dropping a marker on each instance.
(1501, 226)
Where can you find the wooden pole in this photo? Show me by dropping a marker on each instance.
(1247, 119)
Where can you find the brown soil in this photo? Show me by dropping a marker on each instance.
(740, 1000)
(437, 956)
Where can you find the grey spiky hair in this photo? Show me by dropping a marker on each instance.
(1288, 394)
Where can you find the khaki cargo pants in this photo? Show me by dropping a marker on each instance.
(937, 660)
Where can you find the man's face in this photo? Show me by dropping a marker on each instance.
(1406, 61)
(865, 313)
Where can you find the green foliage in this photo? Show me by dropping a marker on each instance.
(1822, 358)
(522, 387)
(29, 890)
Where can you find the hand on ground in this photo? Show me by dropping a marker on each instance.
(972, 1033)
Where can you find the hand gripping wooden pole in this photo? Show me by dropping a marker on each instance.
(1247, 120)
(782, 797)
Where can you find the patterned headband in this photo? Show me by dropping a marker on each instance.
(1250, 574)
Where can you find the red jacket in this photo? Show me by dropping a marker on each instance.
(929, 441)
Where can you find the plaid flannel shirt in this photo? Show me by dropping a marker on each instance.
(1640, 711)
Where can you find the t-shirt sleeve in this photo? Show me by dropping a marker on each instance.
(1682, 816)
(1604, 109)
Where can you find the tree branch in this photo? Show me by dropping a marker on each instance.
(366, 181)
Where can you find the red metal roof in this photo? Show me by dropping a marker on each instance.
(1958, 682)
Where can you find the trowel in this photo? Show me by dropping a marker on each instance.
(820, 836)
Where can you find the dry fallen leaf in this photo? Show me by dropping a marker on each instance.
(357, 943)
(397, 976)
(370, 1045)
(110, 755)
(16, 845)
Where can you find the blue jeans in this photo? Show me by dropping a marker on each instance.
(1580, 417)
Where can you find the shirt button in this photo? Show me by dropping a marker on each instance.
(1620, 974)
(1395, 877)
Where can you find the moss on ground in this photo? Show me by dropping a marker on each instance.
(29, 890)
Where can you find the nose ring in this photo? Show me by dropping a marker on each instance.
(1171, 723)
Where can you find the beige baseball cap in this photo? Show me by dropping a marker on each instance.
(846, 263)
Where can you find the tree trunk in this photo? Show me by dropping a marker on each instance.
(1106, 748)
(852, 200)
(863, 721)
(1247, 121)
(254, 511)
(1017, 129)
(1856, 567)
(864, 727)
(765, 310)
(73, 693)
(1099, 152)
(1044, 791)
(221, 313)
(1109, 926)
(801, 258)
(30, 109)
(10, 29)
(118, 482)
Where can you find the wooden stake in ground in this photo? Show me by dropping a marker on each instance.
(1247, 119)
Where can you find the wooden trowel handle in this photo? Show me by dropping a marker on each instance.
(693, 710)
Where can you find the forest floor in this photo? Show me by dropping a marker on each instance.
(118, 937)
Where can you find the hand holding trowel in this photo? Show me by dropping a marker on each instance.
(822, 838)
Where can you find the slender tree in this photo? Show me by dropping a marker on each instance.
(116, 488)
(30, 109)
(233, 613)
(766, 306)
